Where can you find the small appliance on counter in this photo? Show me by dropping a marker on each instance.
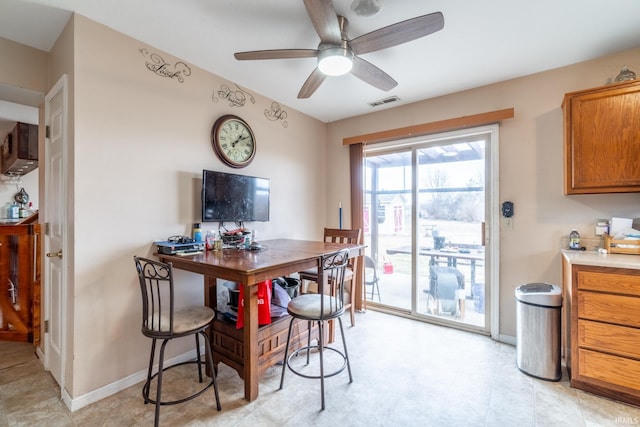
(180, 245)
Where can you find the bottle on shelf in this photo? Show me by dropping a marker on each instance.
(14, 211)
(574, 240)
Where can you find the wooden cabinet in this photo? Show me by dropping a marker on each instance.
(602, 139)
(228, 341)
(20, 297)
(603, 350)
(228, 347)
(19, 150)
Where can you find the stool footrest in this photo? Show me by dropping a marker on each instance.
(317, 347)
(147, 385)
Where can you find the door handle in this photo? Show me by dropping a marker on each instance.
(52, 254)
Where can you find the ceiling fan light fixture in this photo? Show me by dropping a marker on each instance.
(366, 7)
(335, 61)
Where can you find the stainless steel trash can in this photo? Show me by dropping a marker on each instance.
(538, 307)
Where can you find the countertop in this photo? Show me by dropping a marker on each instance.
(9, 221)
(19, 221)
(602, 260)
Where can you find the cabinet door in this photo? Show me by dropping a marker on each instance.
(20, 150)
(27, 141)
(602, 140)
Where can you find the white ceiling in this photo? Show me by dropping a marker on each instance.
(482, 41)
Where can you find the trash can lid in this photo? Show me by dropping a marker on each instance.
(540, 294)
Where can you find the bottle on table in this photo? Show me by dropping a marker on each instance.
(197, 232)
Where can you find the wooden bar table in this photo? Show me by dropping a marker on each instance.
(277, 258)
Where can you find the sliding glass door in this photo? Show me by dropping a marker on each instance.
(424, 215)
(388, 225)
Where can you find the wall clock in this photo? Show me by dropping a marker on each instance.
(233, 141)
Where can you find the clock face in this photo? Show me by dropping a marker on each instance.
(233, 141)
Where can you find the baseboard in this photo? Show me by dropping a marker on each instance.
(507, 339)
(40, 354)
(110, 389)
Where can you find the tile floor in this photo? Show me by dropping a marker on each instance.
(406, 373)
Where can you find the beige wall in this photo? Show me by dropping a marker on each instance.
(141, 142)
(531, 169)
(23, 66)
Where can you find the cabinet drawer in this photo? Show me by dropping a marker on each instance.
(627, 283)
(618, 309)
(620, 340)
(610, 369)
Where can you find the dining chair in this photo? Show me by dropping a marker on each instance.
(320, 307)
(162, 321)
(335, 235)
(371, 276)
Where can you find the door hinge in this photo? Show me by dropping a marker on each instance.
(46, 326)
(46, 228)
(47, 132)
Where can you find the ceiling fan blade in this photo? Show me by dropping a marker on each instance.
(325, 20)
(312, 83)
(276, 54)
(398, 33)
(369, 73)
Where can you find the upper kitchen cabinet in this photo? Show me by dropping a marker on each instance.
(19, 150)
(602, 139)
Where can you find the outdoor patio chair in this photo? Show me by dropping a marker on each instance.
(371, 276)
(446, 288)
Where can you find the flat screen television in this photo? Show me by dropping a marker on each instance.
(232, 197)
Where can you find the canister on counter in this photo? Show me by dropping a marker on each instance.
(602, 227)
(574, 240)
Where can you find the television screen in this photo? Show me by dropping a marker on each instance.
(232, 197)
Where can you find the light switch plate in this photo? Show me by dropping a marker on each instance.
(508, 223)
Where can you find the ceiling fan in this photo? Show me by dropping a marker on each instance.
(338, 55)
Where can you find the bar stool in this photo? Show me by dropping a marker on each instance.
(160, 321)
(321, 307)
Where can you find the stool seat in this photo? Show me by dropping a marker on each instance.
(185, 320)
(309, 306)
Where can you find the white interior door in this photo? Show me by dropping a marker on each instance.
(55, 241)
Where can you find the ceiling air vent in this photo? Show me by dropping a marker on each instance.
(384, 101)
